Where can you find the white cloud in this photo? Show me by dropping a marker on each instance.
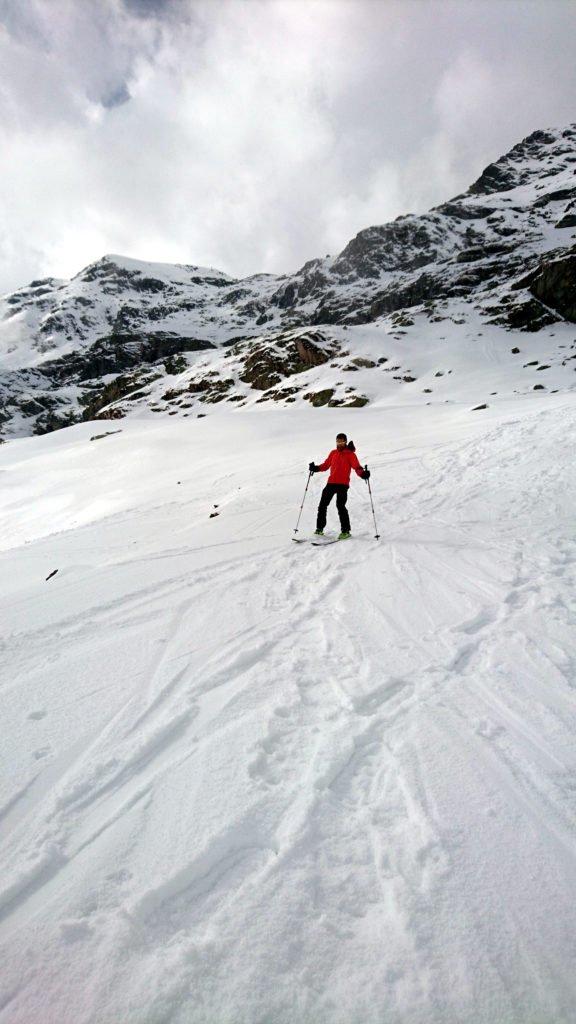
(255, 134)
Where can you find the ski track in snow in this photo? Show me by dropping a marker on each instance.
(339, 786)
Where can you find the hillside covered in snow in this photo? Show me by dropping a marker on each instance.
(251, 781)
(490, 271)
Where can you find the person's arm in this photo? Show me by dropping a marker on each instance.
(324, 465)
(362, 473)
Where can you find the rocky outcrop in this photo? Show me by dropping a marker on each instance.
(267, 361)
(526, 316)
(514, 168)
(405, 244)
(119, 352)
(555, 285)
(123, 386)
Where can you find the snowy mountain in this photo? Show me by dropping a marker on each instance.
(124, 337)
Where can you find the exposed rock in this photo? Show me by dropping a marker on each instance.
(513, 168)
(354, 403)
(555, 285)
(218, 391)
(406, 243)
(284, 394)
(108, 433)
(392, 298)
(526, 316)
(359, 361)
(554, 197)
(481, 252)
(175, 364)
(268, 360)
(119, 388)
(319, 398)
(568, 221)
(461, 212)
(402, 320)
(50, 421)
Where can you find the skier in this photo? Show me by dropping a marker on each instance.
(341, 460)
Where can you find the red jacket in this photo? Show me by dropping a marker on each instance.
(340, 464)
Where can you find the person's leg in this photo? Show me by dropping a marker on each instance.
(326, 498)
(341, 499)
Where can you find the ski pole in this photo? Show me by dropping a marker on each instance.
(377, 535)
(303, 500)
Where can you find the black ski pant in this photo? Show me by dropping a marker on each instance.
(341, 492)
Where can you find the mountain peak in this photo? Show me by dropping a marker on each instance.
(543, 153)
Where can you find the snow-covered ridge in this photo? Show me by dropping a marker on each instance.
(122, 324)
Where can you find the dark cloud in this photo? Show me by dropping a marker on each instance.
(116, 97)
(151, 8)
(255, 134)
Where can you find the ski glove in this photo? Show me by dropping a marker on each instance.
(366, 474)
(312, 467)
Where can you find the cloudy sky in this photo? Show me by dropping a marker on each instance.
(253, 135)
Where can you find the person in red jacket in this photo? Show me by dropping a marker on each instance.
(341, 461)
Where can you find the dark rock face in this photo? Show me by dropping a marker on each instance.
(405, 244)
(268, 361)
(555, 285)
(285, 297)
(119, 352)
(507, 172)
(319, 398)
(460, 212)
(123, 386)
(481, 252)
(425, 287)
(50, 421)
(526, 316)
(554, 197)
(568, 221)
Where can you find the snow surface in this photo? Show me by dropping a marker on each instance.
(252, 782)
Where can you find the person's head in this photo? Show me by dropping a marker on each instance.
(341, 441)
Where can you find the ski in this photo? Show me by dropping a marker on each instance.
(317, 543)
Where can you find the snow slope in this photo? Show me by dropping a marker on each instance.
(250, 782)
